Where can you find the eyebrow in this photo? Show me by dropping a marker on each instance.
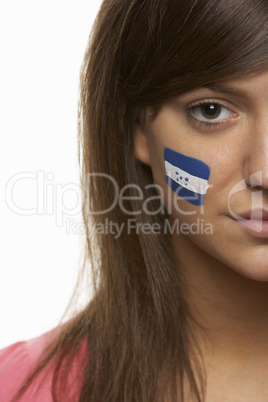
(228, 90)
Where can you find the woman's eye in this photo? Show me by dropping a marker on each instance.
(210, 112)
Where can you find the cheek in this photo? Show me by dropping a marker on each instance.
(183, 182)
(186, 176)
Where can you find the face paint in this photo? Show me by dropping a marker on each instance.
(186, 176)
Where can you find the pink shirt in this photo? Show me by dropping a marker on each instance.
(17, 360)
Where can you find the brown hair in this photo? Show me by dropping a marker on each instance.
(142, 52)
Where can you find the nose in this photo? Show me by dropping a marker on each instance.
(256, 167)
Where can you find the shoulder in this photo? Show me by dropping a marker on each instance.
(19, 359)
(16, 362)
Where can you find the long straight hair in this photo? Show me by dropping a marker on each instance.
(138, 325)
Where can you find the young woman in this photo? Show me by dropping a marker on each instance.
(173, 146)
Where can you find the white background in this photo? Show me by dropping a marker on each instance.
(42, 45)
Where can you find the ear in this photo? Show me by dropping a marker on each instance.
(141, 149)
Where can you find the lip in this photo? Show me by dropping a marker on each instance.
(254, 222)
(258, 213)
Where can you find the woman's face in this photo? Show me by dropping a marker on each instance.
(225, 127)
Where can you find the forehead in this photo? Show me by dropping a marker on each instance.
(241, 86)
(248, 84)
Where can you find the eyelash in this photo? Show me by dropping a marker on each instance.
(204, 123)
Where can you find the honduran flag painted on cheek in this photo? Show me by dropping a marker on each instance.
(186, 176)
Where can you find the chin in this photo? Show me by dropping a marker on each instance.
(258, 275)
(256, 271)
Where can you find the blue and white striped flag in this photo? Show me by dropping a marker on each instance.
(186, 176)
